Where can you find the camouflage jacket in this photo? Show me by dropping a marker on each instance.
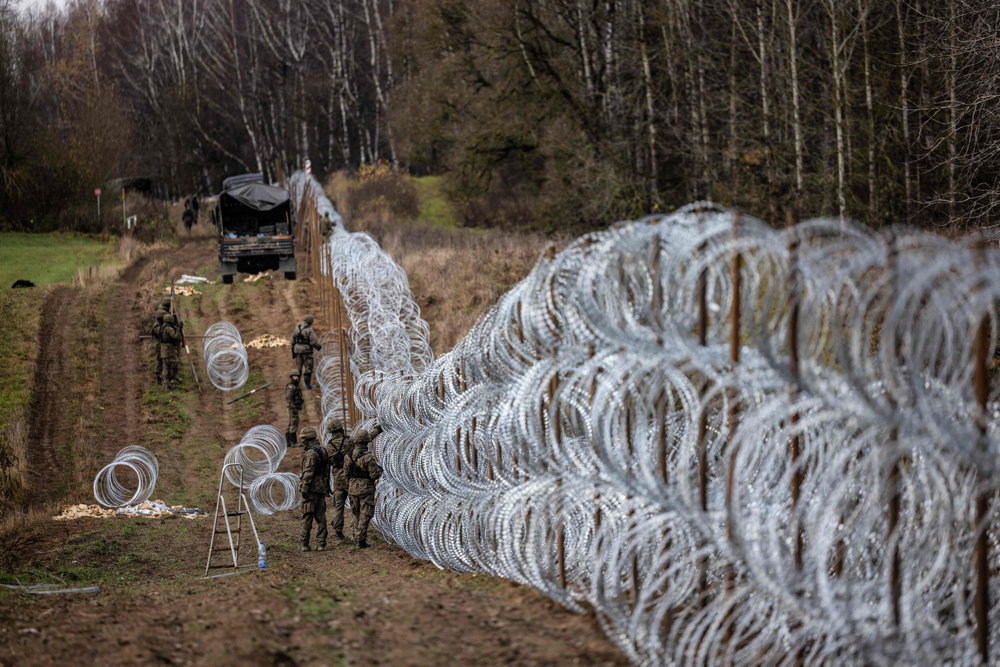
(293, 396)
(315, 477)
(362, 470)
(170, 340)
(336, 449)
(304, 339)
(156, 330)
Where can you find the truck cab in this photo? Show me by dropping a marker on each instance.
(256, 225)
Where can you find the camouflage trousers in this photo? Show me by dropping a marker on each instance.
(293, 421)
(363, 509)
(339, 498)
(169, 370)
(314, 509)
(304, 363)
(159, 362)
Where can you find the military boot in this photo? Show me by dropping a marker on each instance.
(362, 544)
(340, 536)
(291, 439)
(305, 547)
(308, 380)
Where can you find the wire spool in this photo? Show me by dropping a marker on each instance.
(258, 453)
(225, 357)
(111, 490)
(274, 492)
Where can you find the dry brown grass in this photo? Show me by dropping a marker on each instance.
(455, 274)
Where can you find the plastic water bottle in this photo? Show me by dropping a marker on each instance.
(261, 556)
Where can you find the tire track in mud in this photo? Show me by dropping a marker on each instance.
(50, 424)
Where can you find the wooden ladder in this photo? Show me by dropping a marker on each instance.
(233, 534)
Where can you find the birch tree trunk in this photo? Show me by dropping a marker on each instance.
(793, 59)
(904, 110)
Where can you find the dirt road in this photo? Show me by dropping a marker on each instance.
(341, 606)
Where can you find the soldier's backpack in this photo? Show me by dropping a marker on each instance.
(378, 469)
(298, 338)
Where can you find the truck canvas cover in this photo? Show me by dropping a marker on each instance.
(256, 196)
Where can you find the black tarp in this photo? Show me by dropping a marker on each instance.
(256, 196)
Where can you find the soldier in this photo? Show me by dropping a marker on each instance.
(293, 399)
(336, 448)
(154, 333)
(303, 342)
(362, 471)
(166, 304)
(170, 346)
(314, 485)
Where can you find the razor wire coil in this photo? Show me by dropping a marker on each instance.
(596, 412)
(258, 453)
(274, 492)
(226, 361)
(112, 491)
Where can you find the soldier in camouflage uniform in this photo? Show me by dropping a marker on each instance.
(362, 472)
(170, 346)
(314, 485)
(293, 399)
(304, 341)
(336, 448)
(154, 333)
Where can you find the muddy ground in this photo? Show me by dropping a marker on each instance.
(95, 394)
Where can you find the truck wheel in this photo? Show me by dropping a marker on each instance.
(289, 275)
(227, 279)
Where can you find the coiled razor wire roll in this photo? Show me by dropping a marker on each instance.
(225, 357)
(110, 491)
(258, 453)
(587, 414)
(274, 492)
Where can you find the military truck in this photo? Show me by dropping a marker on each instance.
(256, 226)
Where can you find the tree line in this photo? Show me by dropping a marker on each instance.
(545, 113)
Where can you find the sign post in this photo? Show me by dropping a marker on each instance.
(97, 193)
(308, 166)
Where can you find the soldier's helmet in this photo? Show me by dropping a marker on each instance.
(294, 374)
(334, 426)
(169, 318)
(307, 433)
(308, 319)
(159, 315)
(165, 304)
(360, 438)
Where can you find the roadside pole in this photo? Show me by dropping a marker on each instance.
(97, 192)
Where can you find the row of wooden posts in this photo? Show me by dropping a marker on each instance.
(332, 316)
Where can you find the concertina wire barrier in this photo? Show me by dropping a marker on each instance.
(226, 361)
(732, 443)
(110, 491)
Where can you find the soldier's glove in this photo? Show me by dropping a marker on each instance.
(377, 430)
(318, 347)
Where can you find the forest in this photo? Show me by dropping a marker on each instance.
(543, 114)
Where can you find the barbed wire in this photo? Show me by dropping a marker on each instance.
(733, 443)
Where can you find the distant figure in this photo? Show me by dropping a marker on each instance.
(194, 207)
(188, 215)
(155, 333)
(293, 400)
(314, 484)
(336, 449)
(170, 348)
(362, 471)
(304, 341)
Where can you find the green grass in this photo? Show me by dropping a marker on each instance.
(21, 312)
(49, 258)
(434, 205)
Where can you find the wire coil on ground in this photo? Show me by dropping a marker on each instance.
(275, 492)
(110, 491)
(226, 360)
(258, 453)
